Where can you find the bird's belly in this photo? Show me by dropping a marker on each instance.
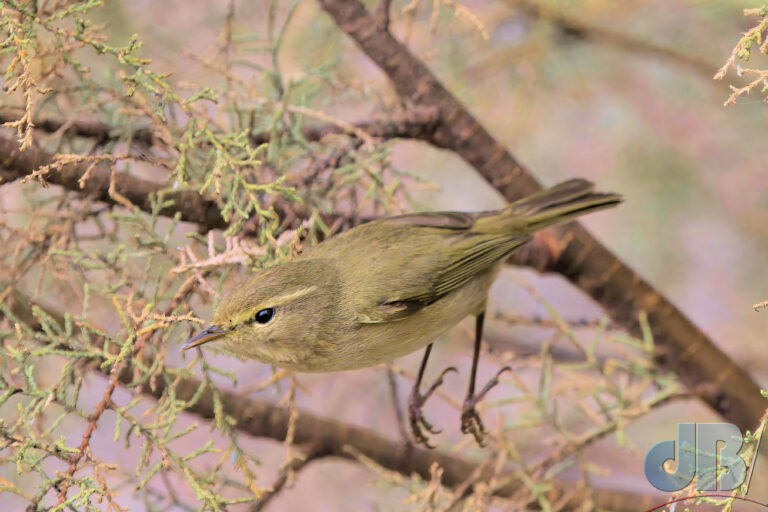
(371, 344)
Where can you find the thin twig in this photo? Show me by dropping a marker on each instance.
(302, 457)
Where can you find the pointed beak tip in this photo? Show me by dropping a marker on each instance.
(208, 334)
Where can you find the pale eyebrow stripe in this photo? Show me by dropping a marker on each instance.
(277, 301)
(282, 299)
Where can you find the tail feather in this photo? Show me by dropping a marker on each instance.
(555, 205)
(556, 195)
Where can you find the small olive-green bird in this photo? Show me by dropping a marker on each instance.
(387, 288)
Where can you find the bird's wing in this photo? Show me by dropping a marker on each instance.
(475, 254)
(439, 261)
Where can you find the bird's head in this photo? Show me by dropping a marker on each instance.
(274, 316)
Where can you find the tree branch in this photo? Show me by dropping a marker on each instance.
(93, 129)
(412, 124)
(15, 164)
(682, 347)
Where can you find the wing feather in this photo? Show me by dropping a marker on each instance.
(460, 257)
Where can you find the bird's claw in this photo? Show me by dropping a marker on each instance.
(472, 424)
(419, 424)
(470, 419)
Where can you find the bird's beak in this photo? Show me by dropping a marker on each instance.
(208, 334)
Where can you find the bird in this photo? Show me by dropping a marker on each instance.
(387, 288)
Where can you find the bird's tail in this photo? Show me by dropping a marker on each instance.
(554, 205)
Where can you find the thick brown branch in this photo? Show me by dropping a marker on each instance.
(682, 347)
(15, 164)
(92, 129)
(413, 124)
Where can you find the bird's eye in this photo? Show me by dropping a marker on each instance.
(263, 316)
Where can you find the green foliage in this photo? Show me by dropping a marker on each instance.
(757, 36)
(124, 275)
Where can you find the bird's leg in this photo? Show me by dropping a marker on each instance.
(417, 400)
(470, 419)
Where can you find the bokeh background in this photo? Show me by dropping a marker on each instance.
(648, 124)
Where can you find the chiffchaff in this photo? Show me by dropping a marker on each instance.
(387, 288)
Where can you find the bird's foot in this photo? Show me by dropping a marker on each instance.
(419, 424)
(470, 419)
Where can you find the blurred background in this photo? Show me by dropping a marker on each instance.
(620, 93)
